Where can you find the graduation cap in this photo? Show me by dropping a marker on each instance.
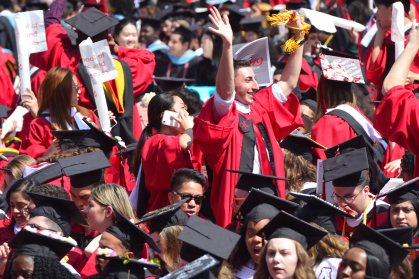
(260, 205)
(285, 225)
(165, 217)
(131, 235)
(3, 111)
(309, 98)
(300, 145)
(183, 13)
(92, 5)
(237, 11)
(206, 238)
(164, 14)
(403, 236)
(96, 138)
(73, 36)
(171, 83)
(33, 5)
(406, 191)
(69, 138)
(122, 268)
(197, 269)
(32, 243)
(85, 169)
(347, 170)
(252, 24)
(92, 23)
(186, 34)
(155, 23)
(293, 5)
(202, 13)
(386, 250)
(248, 180)
(60, 211)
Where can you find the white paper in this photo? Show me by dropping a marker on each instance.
(397, 23)
(97, 60)
(102, 107)
(393, 182)
(30, 32)
(24, 72)
(257, 52)
(328, 186)
(348, 25)
(16, 115)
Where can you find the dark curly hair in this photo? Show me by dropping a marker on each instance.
(51, 190)
(408, 164)
(240, 255)
(43, 268)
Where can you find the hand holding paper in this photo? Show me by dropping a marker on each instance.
(17, 115)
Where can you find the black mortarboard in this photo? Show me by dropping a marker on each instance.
(260, 205)
(237, 10)
(96, 138)
(386, 250)
(197, 269)
(155, 23)
(309, 99)
(131, 235)
(165, 13)
(170, 83)
(403, 236)
(183, 13)
(211, 239)
(285, 225)
(301, 145)
(293, 5)
(165, 217)
(3, 111)
(92, 5)
(69, 138)
(72, 35)
(92, 23)
(202, 13)
(29, 242)
(50, 172)
(122, 268)
(128, 153)
(85, 169)
(186, 34)
(347, 170)
(252, 24)
(248, 180)
(60, 211)
(406, 191)
(33, 5)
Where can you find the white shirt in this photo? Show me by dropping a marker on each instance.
(327, 269)
(221, 107)
(246, 271)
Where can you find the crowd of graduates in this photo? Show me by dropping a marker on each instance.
(313, 176)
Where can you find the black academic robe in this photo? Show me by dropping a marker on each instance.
(165, 68)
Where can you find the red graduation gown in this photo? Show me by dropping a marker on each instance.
(221, 144)
(8, 95)
(377, 74)
(397, 118)
(389, 156)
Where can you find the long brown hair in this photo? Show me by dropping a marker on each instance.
(329, 246)
(299, 171)
(55, 95)
(168, 237)
(303, 270)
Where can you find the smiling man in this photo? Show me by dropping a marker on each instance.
(238, 129)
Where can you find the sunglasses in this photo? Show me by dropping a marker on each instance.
(198, 199)
(40, 228)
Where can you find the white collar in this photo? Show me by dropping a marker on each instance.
(355, 222)
(242, 107)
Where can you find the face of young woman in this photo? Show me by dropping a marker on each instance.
(22, 267)
(403, 215)
(75, 92)
(354, 264)
(281, 258)
(96, 215)
(255, 243)
(207, 46)
(17, 204)
(128, 36)
(156, 238)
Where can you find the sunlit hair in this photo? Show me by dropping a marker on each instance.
(172, 245)
(329, 246)
(55, 95)
(299, 171)
(113, 195)
(303, 270)
(16, 165)
(403, 271)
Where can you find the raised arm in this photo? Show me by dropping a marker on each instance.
(225, 76)
(400, 69)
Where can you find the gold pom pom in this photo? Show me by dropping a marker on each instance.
(291, 45)
(284, 17)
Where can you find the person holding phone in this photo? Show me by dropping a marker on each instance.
(164, 147)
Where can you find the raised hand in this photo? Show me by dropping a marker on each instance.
(414, 35)
(223, 26)
(296, 24)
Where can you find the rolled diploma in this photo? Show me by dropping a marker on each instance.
(25, 77)
(346, 24)
(102, 107)
(16, 115)
(399, 47)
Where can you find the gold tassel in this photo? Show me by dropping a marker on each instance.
(284, 17)
(291, 45)
(344, 226)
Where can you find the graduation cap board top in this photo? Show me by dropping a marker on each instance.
(403, 236)
(3, 111)
(405, 191)
(161, 212)
(193, 269)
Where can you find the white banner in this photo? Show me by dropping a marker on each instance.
(397, 23)
(30, 32)
(102, 107)
(328, 186)
(25, 76)
(17, 115)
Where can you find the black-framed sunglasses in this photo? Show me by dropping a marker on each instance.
(198, 199)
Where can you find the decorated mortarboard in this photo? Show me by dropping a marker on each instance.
(252, 24)
(98, 138)
(205, 237)
(347, 170)
(301, 145)
(403, 236)
(406, 191)
(197, 269)
(131, 235)
(92, 22)
(155, 23)
(3, 111)
(31, 242)
(260, 205)
(285, 225)
(170, 83)
(69, 138)
(373, 242)
(168, 216)
(60, 211)
(248, 180)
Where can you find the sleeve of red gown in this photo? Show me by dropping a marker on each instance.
(329, 131)
(396, 154)
(37, 80)
(142, 64)
(375, 72)
(37, 139)
(8, 95)
(284, 118)
(60, 52)
(398, 116)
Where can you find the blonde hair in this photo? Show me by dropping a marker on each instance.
(16, 166)
(113, 195)
(303, 270)
(329, 246)
(168, 238)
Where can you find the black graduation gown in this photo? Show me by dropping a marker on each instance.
(178, 71)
